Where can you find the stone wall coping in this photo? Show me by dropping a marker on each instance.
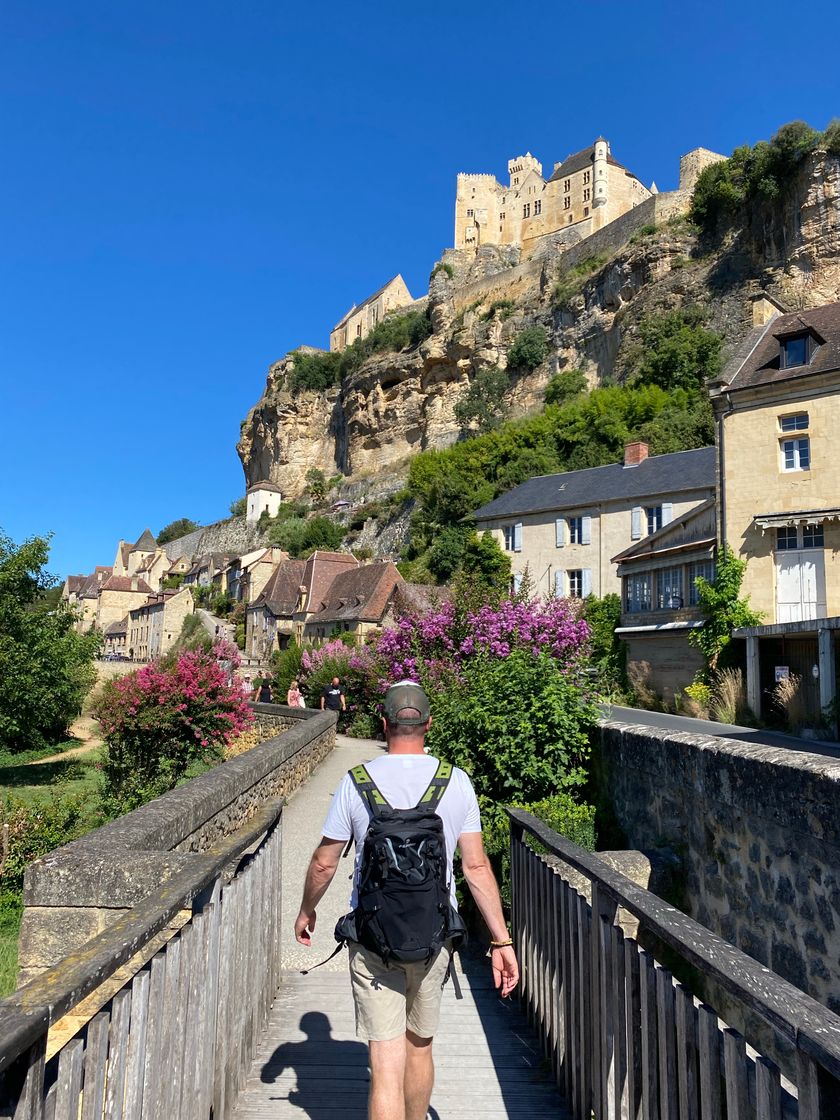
(31, 1009)
(160, 825)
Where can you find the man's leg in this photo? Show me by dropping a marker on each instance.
(419, 1076)
(387, 1077)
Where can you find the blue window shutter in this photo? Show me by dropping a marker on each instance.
(517, 537)
(560, 532)
(667, 513)
(636, 523)
(587, 582)
(559, 583)
(586, 534)
(517, 581)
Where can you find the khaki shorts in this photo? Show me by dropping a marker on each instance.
(391, 999)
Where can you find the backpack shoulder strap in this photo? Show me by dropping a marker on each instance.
(438, 785)
(368, 790)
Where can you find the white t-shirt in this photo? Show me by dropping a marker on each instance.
(402, 780)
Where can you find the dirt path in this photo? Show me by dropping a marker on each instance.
(86, 729)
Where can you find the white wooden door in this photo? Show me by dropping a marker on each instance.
(800, 585)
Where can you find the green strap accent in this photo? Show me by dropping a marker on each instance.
(438, 785)
(367, 788)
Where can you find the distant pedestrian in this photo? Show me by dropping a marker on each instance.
(294, 697)
(332, 698)
(262, 694)
(247, 684)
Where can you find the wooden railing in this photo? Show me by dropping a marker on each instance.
(626, 1041)
(174, 1041)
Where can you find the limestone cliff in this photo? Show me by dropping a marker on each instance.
(397, 404)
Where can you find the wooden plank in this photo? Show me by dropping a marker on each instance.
(96, 1058)
(30, 1103)
(560, 894)
(152, 1077)
(650, 1034)
(667, 1040)
(584, 937)
(175, 1068)
(768, 1090)
(633, 1027)
(708, 1032)
(596, 1024)
(137, 1045)
(223, 1010)
(68, 1086)
(735, 1075)
(207, 1056)
(605, 968)
(687, 1053)
(117, 1055)
(618, 1068)
(171, 982)
(193, 1019)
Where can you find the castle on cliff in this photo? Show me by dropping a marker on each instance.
(585, 192)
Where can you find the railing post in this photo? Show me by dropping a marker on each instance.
(517, 933)
(819, 1092)
(603, 910)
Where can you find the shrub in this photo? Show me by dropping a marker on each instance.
(443, 266)
(647, 230)
(286, 664)
(609, 653)
(46, 668)
(176, 529)
(159, 720)
(788, 697)
(35, 830)
(700, 696)
(483, 404)
(729, 699)
(831, 138)
(571, 283)
(529, 349)
(676, 350)
(239, 507)
(505, 308)
(723, 610)
(565, 385)
(300, 536)
(319, 664)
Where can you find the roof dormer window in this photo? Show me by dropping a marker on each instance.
(796, 351)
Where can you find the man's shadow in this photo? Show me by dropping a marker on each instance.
(330, 1075)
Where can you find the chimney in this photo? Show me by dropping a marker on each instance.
(134, 583)
(635, 453)
(765, 308)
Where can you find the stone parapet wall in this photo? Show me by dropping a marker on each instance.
(77, 891)
(758, 829)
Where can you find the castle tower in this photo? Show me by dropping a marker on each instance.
(520, 166)
(599, 172)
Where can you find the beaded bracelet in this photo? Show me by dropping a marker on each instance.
(500, 944)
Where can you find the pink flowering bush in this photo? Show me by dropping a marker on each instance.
(162, 718)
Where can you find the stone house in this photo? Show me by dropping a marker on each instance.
(360, 321)
(82, 593)
(129, 557)
(154, 626)
(114, 637)
(356, 601)
(565, 529)
(207, 570)
(659, 599)
(777, 407)
(584, 193)
(153, 567)
(262, 498)
(247, 575)
(412, 599)
(269, 620)
(117, 596)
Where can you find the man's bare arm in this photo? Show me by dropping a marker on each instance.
(319, 875)
(485, 891)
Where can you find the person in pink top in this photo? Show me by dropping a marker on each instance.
(294, 697)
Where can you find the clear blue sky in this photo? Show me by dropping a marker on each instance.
(190, 190)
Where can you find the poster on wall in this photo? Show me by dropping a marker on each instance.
(782, 672)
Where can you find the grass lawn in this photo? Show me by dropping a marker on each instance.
(14, 758)
(32, 784)
(10, 911)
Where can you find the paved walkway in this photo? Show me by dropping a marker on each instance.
(309, 1063)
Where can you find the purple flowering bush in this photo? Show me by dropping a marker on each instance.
(509, 695)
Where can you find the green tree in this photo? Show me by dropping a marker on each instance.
(676, 350)
(46, 668)
(609, 653)
(446, 553)
(176, 529)
(530, 347)
(239, 507)
(831, 138)
(724, 611)
(299, 536)
(316, 484)
(485, 562)
(483, 404)
(564, 386)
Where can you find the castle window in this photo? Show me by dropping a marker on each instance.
(516, 181)
(358, 330)
(567, 203)
(798, 422)
(586, 211)
(526, 210)
(537, 207)
(586, 195)
(571, 217)
(586, 176)
(471, 213)
(567, 184)
(502, 216)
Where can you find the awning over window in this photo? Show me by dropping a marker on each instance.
(797, 517)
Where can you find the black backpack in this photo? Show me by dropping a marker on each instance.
(404, 911)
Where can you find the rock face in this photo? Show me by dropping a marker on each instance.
(394, 405)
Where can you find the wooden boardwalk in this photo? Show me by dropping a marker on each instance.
(310, 1066)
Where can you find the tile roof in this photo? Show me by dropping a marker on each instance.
(761, 366)
(75, 583)
(418, 598)
(321, 569)
(281, 592)
(579, 161)
(115, 628)
(673, 535)
(360, 594)
(658, 475)
(124, 583)
(146, 543)
(93, 583)
(264, 485)
(369, 299)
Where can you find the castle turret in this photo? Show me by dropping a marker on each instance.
(520, 166)
(599, 172)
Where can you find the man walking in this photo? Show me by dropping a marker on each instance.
(398, 1004)
(332, 698)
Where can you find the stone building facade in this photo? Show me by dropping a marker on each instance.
(584, 193)
(360, 321)
(154, 626)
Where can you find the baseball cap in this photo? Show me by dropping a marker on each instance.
(402, 695)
